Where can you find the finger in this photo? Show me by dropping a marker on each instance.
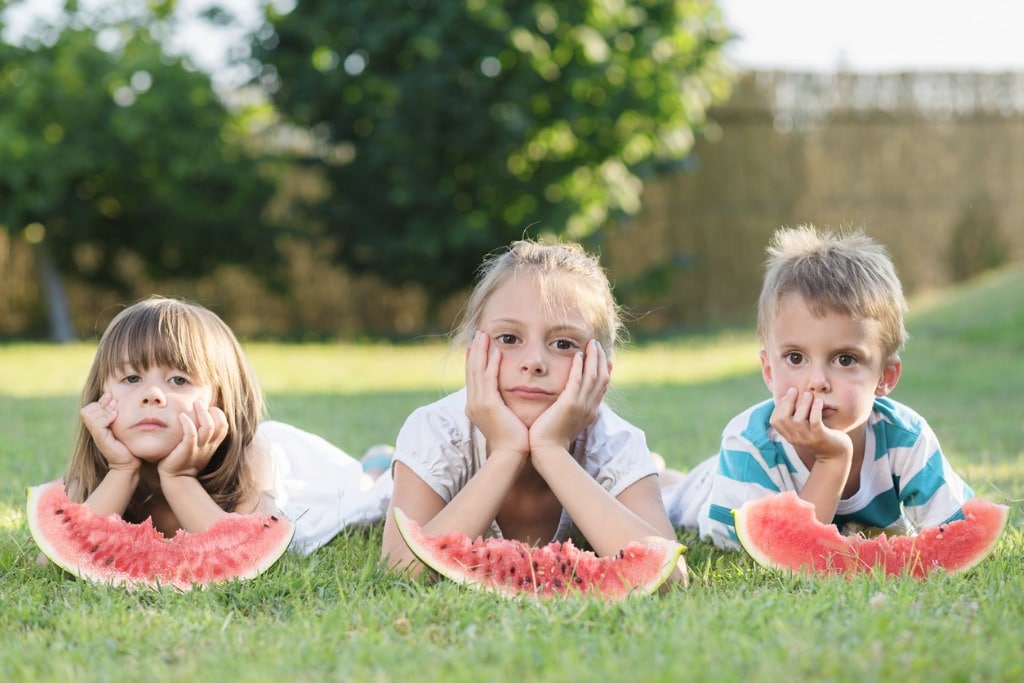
(575, 381)
(219, 424)
(814, 411)
(598, 366)
(802, 409)
(189, 433)
(476, 352)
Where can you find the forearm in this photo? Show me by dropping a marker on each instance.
(193, 507)
(606, 522)
(824, 487)
(475, 507)
(470, 512)
(114, 493)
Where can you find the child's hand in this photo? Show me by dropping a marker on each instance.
(576, 407)
(201, 435)
(798, 420)
(485, 407)
(97, 418)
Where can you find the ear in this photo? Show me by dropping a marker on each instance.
(890, 376)
(766, 369)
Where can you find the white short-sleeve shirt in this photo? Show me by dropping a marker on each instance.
(444, 449)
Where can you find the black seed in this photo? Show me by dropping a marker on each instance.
(94, 549)
(110, 560)
(60, 511)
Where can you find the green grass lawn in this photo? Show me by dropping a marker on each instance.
(338, 616)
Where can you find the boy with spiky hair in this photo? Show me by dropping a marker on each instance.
(830, 322)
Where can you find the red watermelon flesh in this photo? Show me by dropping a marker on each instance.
(107, 549)
(781, 531)
(515, 569)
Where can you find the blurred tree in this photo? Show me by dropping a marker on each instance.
(448, 128)
(110, 147)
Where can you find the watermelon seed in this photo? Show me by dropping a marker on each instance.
(273, 517)
(94, 549)
(60, 511)
(110, 560)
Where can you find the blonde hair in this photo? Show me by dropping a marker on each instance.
(584, 287)
(850, 274)
(169, 332)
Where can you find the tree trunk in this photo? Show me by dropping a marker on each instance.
(57, 311)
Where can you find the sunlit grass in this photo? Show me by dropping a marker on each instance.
(48, 370)
(337, 615)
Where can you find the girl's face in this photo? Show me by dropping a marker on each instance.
(835, 357)
(537, 345)
(149, 403)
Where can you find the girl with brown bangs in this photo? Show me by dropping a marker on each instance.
(172, 429)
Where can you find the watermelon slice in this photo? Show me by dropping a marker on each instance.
(780, 531)
(515, 569)
(107, 549)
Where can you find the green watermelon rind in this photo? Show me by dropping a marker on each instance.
(419, 544)
(952, 548)
(182, 573)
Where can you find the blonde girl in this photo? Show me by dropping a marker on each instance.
(528, 450)
(171, 429)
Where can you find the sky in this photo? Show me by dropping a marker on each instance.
(876, 35)
(806, 35)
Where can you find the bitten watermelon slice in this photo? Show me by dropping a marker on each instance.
(107, 549)
(515, 569)
(780, 531)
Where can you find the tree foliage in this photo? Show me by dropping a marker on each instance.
(110, 147)
(447, 128)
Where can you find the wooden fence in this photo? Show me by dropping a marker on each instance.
(930, 164)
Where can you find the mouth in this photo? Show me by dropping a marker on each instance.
(528, 393)
(149, 423)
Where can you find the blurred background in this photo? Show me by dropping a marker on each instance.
(312, 171)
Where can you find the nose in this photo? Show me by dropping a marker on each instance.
(818, 379)
(533, 361)
(153, 395)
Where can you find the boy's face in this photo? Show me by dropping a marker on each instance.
(834, 357)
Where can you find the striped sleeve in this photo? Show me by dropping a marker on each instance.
(930, 491)
(750, 466)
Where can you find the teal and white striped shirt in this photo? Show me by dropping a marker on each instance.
(905, 484)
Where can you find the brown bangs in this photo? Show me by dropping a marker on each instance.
(158, 335)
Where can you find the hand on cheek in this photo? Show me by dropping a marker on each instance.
(485, 406)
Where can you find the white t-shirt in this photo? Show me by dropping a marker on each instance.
(444, 449)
